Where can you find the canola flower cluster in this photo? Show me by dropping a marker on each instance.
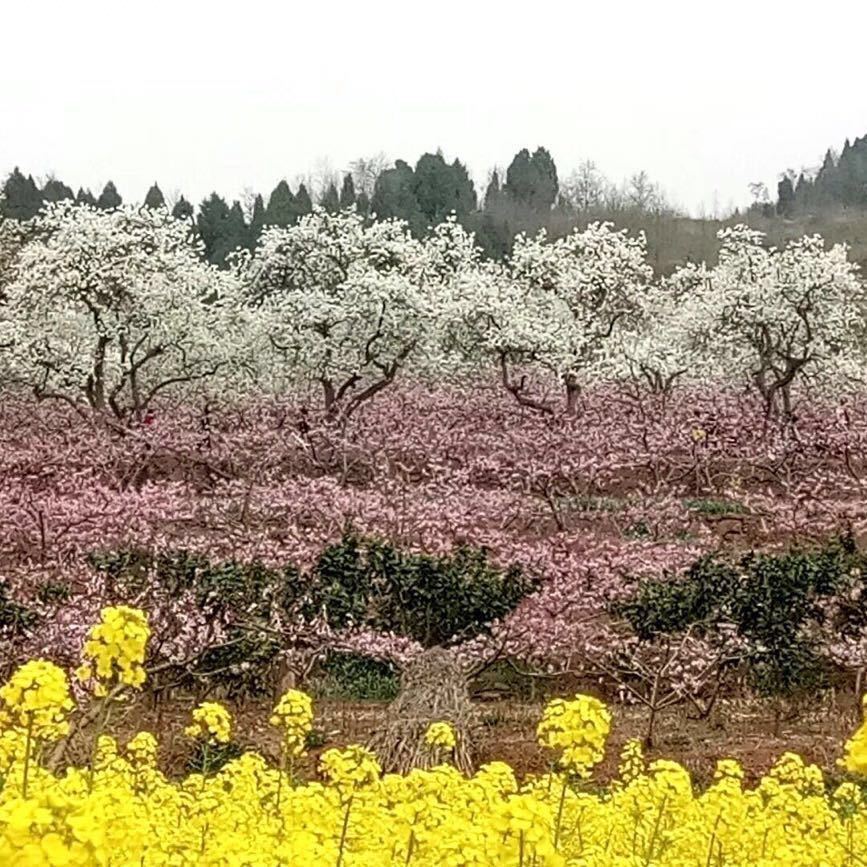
(114, 651)
(440, 735)
(124, 811)
(293, 715)
(211, 724)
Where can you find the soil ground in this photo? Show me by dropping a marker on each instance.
(743, 730)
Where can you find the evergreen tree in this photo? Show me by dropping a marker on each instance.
(493, 193)
(154, 197)
(212, 223)
(546, 185)
(803, 193)
(347, 192)
(281, 206)
(303, 203)
(21, 197)
(532, 181)
(235, 234)
(362, 204)
(109, 198)
(182, 210)
(827, 183)
(257, 221)
(85, 197)
(440, 188)
(520, 178)
(785, 196)
(394, 197)
(56, 191)
(330, 199)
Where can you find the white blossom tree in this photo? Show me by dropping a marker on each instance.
(662, 346)
(555, 306)
(348, 305)
(106, 310)
(779, 317)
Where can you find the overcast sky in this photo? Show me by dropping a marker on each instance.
(706, 97)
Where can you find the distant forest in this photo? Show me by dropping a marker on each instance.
(529, 195)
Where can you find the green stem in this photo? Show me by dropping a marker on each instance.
(102, 722)
(27, 746)
(652, 845)
(560, 813)
(281, 772)
(410, 847)
(343, 832)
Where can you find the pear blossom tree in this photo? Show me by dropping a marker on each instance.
(106, 310)
(661, 346)
(342, 304)
(779, 317)
(556, 307)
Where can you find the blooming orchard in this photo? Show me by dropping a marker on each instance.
(111, 309)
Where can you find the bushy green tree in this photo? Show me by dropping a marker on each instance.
(183, 210)
(441, 189)
(85, 197)
(154, 197)
(21, 197)
(281, 206)
(330, 199)
(394, 197)
(56, 191)
(347, 192)
(109, 197)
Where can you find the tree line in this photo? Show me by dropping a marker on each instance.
(527, 196)
(840, 182)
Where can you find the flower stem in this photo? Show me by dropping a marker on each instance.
(343, 832)
(27, 749)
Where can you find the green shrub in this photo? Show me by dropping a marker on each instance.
(771, 600)
(357, 582)
(714, 507)
(352, 677)
(15, 618)
(433, 600)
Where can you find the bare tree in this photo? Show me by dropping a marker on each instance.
(585, 189)
(365, 171)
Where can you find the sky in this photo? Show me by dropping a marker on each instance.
(200, 96)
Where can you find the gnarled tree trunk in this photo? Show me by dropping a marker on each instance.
(434, 688)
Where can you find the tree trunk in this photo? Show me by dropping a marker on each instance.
(434, 688)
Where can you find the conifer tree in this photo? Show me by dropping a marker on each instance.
(330, 199)
(441, 189)
(154, 197)
(281, 206)
(347, 192)
(303, 203)
(182, 210)
(85, 197)
(109, 198)
(257, 221)
(493, 193)
(785, 196)
(212, 221)
(394, 196)
(56, 191)
(21, 197)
